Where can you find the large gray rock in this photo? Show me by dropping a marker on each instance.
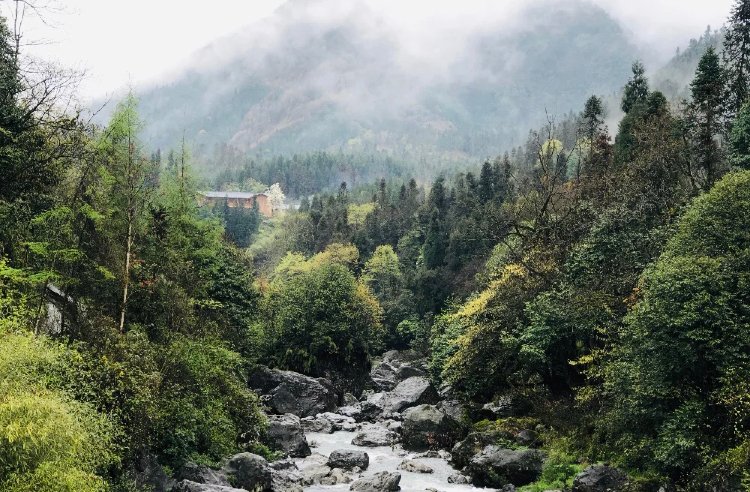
(414, 466)
(473, 444)
(426, 427)
(249, 471)
(396, 366)
(348, 459)
(317, 424)
(291, 392)
(600, 478)
(413, 391)
(373, 435)
(190, 486)
(151, 475)
(502, 407)
(380, 482)
(201, 474)
(285, 433)
(496, 467)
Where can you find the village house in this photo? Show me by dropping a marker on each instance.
(236, 199)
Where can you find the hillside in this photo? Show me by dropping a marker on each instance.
(294, 83)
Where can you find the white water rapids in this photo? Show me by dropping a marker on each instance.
(385, 458)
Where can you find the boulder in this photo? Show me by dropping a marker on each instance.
(339, 422)
(502, 407)
(287, 480)
(426, 427)
(314, 469)
(373, 435)
(600, 478)
(455, 409)
(527, 438)
(190, 486)
(413, 391)
(396, 366)
(458, 479)
(291, 392)
(474, 443)
(317, 424)
(347, 459)
(335, 477)
(497, 467)
(201, 474)
(349, 399)
(151, 475)
(414, 466)
(380, 482)
(249, 471)
(285, 433)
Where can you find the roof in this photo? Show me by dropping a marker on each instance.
(229, 194)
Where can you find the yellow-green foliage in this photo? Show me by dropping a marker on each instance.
(48, 441)
(356, 214)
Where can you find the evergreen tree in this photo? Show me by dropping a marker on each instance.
(636, 90)
(704, 115)
(739, 139)
(737, 56)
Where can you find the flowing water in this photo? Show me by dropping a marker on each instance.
(385, 458)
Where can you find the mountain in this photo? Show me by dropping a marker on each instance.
(296, 82)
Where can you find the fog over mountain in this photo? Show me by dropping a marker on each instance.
(322, 74)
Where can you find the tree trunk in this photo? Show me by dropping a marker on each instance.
(126, 285)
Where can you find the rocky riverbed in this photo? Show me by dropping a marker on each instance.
(403, 434)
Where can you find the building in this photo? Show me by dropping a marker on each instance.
(236, 199)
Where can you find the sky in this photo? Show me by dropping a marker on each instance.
(120, 43)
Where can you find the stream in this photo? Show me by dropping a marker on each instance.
(385, 458)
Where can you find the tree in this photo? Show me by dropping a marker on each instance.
(321, 321)
(704, 116)
(636, 90)
(736, 56)
(676, 387)
(130, 190)
(739, 139)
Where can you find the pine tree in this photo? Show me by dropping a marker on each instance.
(737, 57)
(636, 90)
(705, 116)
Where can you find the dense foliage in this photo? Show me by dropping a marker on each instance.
(600, 283)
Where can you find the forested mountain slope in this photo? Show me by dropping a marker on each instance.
(296, 83)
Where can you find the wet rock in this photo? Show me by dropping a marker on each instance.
(287, 480)
(373, 435)
(414, 466)
(190, 486)
(347, 459)
(600, 478)
(335, 477)
(249, 471)
(496, 466)
(380, 482)
(285, 433)
(317, 424)
(339, 422)
(291, 392)
(396, 366)
(426, 427)
(350, 399)
(459, 479)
